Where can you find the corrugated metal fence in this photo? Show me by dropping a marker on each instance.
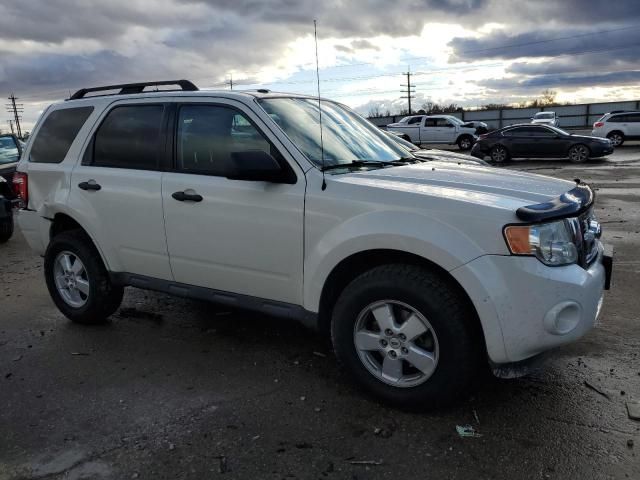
(571, 116)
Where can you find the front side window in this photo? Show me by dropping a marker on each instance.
(57, 133)
(130, 137)
(415, 120)
(9, 152)
(443, 122)
(347, 137)
(209, 135)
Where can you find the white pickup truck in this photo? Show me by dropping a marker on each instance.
(419, 271)
(447, 129)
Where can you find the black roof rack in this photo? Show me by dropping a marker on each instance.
(127, 88)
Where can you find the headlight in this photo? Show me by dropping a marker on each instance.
(552, 243)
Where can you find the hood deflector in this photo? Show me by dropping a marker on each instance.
(570, 204)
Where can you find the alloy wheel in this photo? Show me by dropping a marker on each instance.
(616, 139)
(579, 153)
(71, 279)
(499, 154)
(396, 343)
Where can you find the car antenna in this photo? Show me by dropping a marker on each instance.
(315, 36)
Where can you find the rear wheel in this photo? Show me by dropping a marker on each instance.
(465, 142)
(78, 281)
(405, 335)
(6, 228)
(579, 154)
(616, 138)
(499, 154)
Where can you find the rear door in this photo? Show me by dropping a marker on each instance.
(238, 236)
(116, 189)
(633, 125)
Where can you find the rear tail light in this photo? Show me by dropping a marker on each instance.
(21, 188)
(598, 125)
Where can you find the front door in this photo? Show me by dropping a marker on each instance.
(239, 236)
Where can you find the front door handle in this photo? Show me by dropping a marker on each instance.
(187, 197)
(90, 185)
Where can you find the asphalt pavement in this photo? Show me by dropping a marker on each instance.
(179, 389)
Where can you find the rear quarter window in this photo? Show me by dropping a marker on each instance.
(57, 133)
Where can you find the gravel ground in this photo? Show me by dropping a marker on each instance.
(178, 389)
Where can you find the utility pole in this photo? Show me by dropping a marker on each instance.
(11, 125)
(16, 109)
(410, 89)
(231, 81)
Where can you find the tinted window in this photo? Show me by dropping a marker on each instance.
(8, 150)
(633, 117)
(518, 131)
(57, 133)
(130, 137)
(430, 122)
(414, 120)
(443, 122)
(542, 132)
(618, 119)
(208, 136)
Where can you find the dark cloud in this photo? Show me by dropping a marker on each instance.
(537, 83)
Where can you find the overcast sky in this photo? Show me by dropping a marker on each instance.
(469, 52)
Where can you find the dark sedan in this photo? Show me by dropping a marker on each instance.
(539, 141)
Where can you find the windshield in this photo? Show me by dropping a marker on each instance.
(8, 150)
(544, 115)
(346, 136)
(455, 120)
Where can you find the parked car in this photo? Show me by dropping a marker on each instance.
(10, 150)
(618, 127)
(447, 129)
(435, 154)
(6, 210)
(419, 272)
(538, 141)
(546, 118)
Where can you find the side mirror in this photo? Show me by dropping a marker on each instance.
(256, 166)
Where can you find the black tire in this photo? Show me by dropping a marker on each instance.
(465, 142)
(499, 154)
(6, 229)
(459, 342)
(579, 153)
(103, 298)
(616, 138)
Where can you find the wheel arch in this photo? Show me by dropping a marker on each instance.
(63, 222)
(358, 263)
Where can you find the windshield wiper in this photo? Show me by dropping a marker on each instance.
(371, 163)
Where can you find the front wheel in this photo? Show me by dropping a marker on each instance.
(465, 142)
(406, 335)
(579, 154)
(78, 281)
(6, 228)
(499, 154)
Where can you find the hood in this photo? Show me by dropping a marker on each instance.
(477, 184)
(590, 138)
(447, 156)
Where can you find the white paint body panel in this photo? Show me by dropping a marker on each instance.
(281, 242)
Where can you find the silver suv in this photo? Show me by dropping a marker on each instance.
(618, 127)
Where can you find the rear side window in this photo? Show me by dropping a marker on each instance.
(57, 133)
(618, 119)
(129, 137)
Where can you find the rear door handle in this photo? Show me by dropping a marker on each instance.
(186, 197)
(90, 185)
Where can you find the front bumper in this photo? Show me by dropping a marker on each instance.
(477, 151)
(527, 308)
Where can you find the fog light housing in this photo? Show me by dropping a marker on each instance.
(563, 318)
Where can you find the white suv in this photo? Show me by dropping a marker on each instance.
(447, 129)
(618, 127)
(420, 272)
